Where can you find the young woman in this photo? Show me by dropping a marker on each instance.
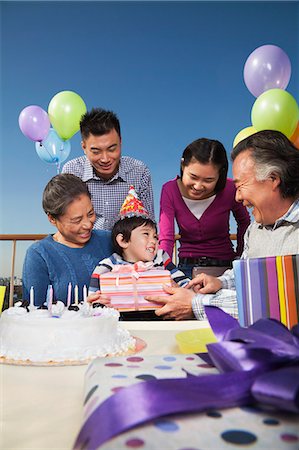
(200, 201)
(72, 252)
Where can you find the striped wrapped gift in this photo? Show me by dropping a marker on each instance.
(268, 287)
(128, 288)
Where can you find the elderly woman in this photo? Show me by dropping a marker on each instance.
(72, 252)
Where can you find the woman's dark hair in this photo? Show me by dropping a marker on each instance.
(125, 227)
(207, 151)
(98, 122)
(61, 191)
(273, 154)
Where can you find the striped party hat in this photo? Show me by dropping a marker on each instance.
(132, 206)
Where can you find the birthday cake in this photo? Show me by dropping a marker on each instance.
(63, 335)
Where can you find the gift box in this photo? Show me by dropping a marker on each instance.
(216, 429)
(127, 286)
(181, 401)
(268, 287)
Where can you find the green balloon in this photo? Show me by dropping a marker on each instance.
(65, 111)
(275, 109)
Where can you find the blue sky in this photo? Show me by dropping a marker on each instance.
(172, 71)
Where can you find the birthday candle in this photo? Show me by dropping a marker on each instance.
(76, 292)
(69, 294)
(84, 293)
(32, 296)
(50, 297)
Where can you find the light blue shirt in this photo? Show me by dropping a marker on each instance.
(108, 195)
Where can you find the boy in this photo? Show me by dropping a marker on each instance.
(135, 240)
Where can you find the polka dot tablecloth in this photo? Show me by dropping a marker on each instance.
(216, 429)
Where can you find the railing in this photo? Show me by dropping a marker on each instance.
(15, 238)
(37, 237)
(233, 237)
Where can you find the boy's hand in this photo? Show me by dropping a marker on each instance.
(97, 297)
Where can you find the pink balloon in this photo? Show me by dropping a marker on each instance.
(267, 67)
(34, 123)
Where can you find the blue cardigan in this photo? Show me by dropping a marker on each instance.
(49, 262)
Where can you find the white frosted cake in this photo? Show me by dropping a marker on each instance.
(61, 335)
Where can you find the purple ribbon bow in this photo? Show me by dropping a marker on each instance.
(259, 364)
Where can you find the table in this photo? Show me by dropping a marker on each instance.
(41, 407)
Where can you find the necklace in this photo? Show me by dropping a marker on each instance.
(55, 237)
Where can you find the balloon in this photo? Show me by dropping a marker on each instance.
(53, 150)
(65, 110)
(275, 110)
(295, 136)
(267, 67)
(34, 123)
(248, 131)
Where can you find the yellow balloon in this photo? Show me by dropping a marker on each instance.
(243, 134)
(65, 111)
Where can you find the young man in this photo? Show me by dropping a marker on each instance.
(266, 175)
(106, 172)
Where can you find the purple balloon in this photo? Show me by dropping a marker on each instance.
(34, 123)
(267, 67)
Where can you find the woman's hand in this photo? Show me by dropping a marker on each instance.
(205, 284)
(97, 297)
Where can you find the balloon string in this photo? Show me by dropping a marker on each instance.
(53, 159)
(58, 164)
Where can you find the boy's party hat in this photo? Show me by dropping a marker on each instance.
(132, 206)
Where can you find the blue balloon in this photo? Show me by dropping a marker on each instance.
(53, 149)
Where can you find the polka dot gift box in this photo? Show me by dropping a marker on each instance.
(182, 402)
(234, 428)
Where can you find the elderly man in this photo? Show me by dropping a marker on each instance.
(106, 172)
(266, 175)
